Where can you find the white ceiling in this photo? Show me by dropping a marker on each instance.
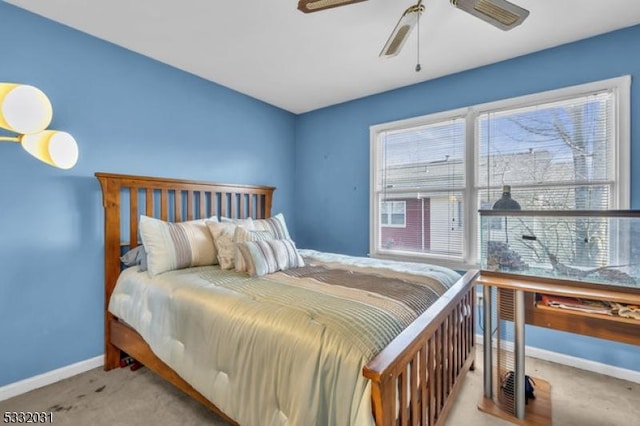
(269, 50)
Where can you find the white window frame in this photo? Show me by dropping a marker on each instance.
(404, 214)
(620, 199)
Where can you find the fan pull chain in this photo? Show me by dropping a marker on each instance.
(418, 67)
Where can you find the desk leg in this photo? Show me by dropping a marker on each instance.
(519, 353)
(486, 342)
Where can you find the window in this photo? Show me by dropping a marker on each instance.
(564, 149)
(393, 214)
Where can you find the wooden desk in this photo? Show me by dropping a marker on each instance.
(524, 290)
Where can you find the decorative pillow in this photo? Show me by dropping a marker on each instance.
(266, 257)
(136, 256)
(222, 234)
(180, 245)
(243, 235)
(275, 224)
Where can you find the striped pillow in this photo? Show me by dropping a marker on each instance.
(243, 235)
(172, 246)
(266, 257)
(275, 224)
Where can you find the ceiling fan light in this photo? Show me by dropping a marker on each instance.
(401, 32)
(308, 6)
(499, 13)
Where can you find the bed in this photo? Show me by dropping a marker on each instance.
(411, 380)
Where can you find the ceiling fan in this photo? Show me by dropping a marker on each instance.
(499, 13)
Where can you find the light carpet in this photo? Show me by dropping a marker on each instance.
(123, 397)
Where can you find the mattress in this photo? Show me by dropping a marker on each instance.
(286, 348)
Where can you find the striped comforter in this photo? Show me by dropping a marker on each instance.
(286, 348)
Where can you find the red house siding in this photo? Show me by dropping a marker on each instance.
(410, 237)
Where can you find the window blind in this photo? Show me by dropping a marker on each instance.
(565, 149)
(423, 167)
(555, 155)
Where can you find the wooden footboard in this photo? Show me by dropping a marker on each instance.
(415, 379)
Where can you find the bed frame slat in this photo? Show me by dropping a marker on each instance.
(177, 206)
(414, 389)
(448, 350)
(202, 206)
(148, 193)
(164, 200)
(243, 206)
(432, 380)
(190, 202)
(234, 205)
(224, 204)
(133, 214)
(251, 203)
(425, 376)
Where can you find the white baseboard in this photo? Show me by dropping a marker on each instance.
(581, 363)
(44, 379)
(35, 382)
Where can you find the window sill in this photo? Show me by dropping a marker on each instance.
(457, 265)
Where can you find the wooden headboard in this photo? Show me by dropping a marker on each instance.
(126, 197)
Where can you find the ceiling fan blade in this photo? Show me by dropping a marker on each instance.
(499, 13)
(308, 6)
(401, 32)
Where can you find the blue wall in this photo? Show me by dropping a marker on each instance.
(129, 114)
(133, 115)
(332, 150)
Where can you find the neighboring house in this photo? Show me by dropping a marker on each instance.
(406, 224)
(418, 216)
(422, 224)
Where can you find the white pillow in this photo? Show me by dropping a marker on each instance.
(275, 224)
(266, 257)
(222, 234)
(242, 235)
(180, 245)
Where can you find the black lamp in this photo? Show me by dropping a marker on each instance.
(506, 202)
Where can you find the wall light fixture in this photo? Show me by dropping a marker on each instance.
(27, 111)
